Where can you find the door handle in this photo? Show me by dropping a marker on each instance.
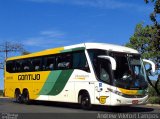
(91, 82)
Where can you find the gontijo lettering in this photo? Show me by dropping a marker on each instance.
(29, 77)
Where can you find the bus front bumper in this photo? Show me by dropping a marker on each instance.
(117, 100)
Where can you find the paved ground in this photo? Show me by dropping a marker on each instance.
(9, 106)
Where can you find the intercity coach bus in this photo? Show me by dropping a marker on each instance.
(88, 73)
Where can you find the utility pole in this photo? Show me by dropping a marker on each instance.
(6, 51)
(5, 48)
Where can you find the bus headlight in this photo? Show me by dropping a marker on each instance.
(116, 92)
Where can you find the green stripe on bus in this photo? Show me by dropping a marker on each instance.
(69, 50)
(73, 49)
(53, 76)
(77, 49)
(61, 82)
(140, 92)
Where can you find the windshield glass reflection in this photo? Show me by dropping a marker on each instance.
(129, 73)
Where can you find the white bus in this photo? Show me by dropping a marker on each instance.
(88, 73)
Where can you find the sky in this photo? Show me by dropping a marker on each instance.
(44, 24)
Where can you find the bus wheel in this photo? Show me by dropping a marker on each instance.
(17, 96)
(85, 101)
(25, 97)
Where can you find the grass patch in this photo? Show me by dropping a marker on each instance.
(154, 100)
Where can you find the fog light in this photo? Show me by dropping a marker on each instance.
(116, 92)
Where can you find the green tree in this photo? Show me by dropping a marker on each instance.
(143, 40)
(146, 39)
(25, 52)
(155, 18)
(156, 11)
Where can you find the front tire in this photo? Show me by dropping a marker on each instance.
(85, 101)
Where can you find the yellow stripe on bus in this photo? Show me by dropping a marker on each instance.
(41, 53)
(129, 92)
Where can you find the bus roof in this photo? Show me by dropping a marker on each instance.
(102, 46)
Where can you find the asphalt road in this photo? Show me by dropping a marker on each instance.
(9, 106)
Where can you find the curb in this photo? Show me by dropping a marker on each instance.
(3, 97)
(155, 105)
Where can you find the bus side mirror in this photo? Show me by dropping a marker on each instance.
(111, 59)
(153, 66)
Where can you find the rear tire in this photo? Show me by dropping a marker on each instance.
(85, 101)
(25, 97)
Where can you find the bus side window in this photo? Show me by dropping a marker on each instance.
(80, 61)
(36, 64)
(18, 67)
(49, 63)
(104, 73)
(10, 66)
(26, 65)
(64, 61)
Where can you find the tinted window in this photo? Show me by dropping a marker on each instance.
(101, 66)
(36, 64)
(80, 61)
(64, 61)
(26, 65)
(94, 56)
(103, 70)
(10, 66)
(18, 64)
(49, 63)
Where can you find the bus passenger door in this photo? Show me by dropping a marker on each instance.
(103, 72)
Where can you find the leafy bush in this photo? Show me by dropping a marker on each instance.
(152, 91)
(154, 100)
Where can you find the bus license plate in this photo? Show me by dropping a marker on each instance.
(134, 101)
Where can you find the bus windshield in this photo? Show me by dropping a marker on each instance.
(129, 73)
